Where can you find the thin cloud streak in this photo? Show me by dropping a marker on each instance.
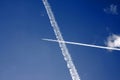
(82, 44)
(65, 52)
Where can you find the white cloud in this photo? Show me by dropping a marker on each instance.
(112, 9)
(113, 41)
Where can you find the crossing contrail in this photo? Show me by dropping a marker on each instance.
(65, 52)
(82, 44)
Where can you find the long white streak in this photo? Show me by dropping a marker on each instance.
(82, 44)
(65, 52)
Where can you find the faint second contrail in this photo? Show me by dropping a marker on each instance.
(65, 52)
(82, 44)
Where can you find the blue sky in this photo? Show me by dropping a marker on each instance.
(24, 56)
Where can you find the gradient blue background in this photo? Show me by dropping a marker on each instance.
(24, 56)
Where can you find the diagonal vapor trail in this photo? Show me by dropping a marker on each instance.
(65, 52)
(82, 44)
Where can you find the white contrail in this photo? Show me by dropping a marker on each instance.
(82, 44)
(65, 52)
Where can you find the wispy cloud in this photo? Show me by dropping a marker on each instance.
(113, 41)
(112, 9)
